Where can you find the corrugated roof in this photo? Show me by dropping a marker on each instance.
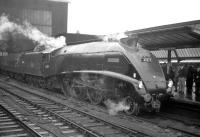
(182, 37)
(187, 53)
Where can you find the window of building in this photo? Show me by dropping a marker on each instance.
(42, 19)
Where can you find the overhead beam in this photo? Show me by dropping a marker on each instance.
(181, 58)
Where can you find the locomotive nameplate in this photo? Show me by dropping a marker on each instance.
(115, 60)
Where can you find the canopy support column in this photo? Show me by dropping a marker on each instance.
(168, 61)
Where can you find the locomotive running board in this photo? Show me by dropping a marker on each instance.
(111, 74)
(128, 79)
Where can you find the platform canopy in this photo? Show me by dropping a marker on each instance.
(182, 39)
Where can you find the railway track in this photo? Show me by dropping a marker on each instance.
(70, 120)
(172, 130)
(12, 126)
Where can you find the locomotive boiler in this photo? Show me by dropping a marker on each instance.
(93, 70)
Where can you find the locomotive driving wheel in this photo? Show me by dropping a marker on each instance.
(134, 107)
(95, 96)
(42, 83)
(77, 91)
(65, 87)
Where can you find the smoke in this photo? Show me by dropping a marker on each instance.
(114, 108)
(11, 30)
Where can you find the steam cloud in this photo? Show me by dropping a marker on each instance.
(10, 30)
(114, 108)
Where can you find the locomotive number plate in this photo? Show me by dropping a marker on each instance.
(146, 59)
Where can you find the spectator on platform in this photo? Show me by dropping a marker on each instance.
(181, 79)
(171, 74)
(164, 68)
(176, 73)
(197, 81)
(190, 79)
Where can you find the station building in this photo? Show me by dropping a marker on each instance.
(49, 16)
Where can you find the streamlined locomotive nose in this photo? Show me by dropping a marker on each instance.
(153, 76)
(149, 70)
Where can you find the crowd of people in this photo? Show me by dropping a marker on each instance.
(183, 76)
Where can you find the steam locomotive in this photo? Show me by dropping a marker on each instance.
(94, 70)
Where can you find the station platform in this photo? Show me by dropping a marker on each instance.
(185, 98)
